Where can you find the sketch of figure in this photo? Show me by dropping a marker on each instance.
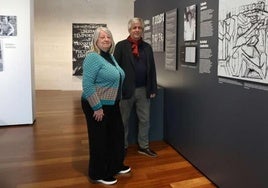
(190, 23)
(243, 43)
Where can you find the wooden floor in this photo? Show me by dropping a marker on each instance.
(54, 153)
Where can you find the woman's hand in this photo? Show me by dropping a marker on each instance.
(98, 114)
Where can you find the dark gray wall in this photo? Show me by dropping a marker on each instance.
(220, 128)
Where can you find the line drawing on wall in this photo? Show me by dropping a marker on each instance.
(242, 37)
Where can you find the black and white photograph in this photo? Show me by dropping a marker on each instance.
(243, 43)
(1, 56)
(82, 43)
(8, 25)
(190, 23)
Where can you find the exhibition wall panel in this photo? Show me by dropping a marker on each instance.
(216, 96)
(16, 74)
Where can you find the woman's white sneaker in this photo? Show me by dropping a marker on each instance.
(124, 170)
(106, 181)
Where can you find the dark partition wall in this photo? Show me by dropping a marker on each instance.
(217, 123)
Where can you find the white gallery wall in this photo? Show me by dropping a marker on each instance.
(53, 35)
(17, 92)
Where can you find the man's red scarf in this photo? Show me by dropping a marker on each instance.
(135, 45)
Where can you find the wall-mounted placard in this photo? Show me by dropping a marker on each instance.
(1, 55)
(171, 40)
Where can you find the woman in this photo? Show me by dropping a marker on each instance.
(102, 82)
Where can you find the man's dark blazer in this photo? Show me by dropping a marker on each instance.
(124, 57)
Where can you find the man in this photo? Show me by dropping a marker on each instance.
(136, 58)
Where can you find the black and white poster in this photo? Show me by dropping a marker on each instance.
(82, 43)
(158, 22)
(8, 25)
(147, 34)
(243, 42)
(190, 23)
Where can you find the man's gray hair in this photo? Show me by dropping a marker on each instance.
(135, 20)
